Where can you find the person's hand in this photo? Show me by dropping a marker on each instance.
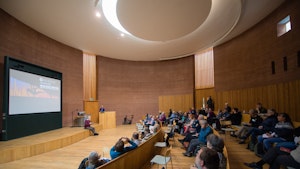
(260, 127)
(193, 166)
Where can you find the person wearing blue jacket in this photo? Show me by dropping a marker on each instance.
(201, 140)
(119, 148)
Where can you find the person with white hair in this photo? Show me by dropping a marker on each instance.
(94, 160)
(201, 140)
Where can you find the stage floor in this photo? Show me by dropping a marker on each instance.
(69, 156)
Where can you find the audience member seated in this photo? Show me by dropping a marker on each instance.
(222, 116)
(291, 144)
(211, 117)
(150, 121)
(235, 117)
(188, 127)
(267, 125)
(87, 125)
(217, 143)
(162, 117)
(203, 111)
(136, 139)
(260, 109)
(154, 127)
(254, 122)
(93, 161)
(283, 131)
(191, 136)
(183, 119)
(227, 107)
(173, 118)
(278, 156)
(120, 147)
(201, 140)
(147, 134)
(206, 159)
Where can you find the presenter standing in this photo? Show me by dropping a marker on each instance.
(102, 109)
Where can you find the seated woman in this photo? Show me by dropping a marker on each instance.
(283, 131)
(119, 148)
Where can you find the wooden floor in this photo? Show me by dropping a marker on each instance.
(70, 156)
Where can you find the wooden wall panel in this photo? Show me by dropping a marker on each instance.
(204, 93)
(283, 97)
(176, 102)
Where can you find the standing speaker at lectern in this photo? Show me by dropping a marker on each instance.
(102, 109)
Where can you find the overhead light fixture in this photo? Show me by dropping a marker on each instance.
(109, 8)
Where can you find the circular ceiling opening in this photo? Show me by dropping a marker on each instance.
(158, 20)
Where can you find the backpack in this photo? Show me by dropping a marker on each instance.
(251, 146)
(82, 164)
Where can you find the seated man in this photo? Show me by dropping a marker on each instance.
(201, 140)
(119, 148)
(206, 159)
(254, 121)
(268, 124)
(277, 156)
(135, 138)
(87, 125)
(93, 161)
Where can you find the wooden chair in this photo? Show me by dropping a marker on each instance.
(163, 160)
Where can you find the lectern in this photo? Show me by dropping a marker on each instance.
(92, 108)
(107, 119)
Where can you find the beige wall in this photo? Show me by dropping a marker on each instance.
(133, 88)
(23, 43)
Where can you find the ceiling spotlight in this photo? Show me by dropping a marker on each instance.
(98, 14)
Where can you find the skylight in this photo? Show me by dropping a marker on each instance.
(109, 8)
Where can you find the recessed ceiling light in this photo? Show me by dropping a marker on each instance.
(98, 14)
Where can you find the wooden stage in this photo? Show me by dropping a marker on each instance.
(66, 147)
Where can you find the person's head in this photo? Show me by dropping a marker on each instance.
(203, 123)
(93, 157)
(235, 110)
(200, 117)
(283, 117)
(253, 113)
(135, 135)
(271, 112)
(258, 105)
(207, 158)
(119, 146)
(215, 142)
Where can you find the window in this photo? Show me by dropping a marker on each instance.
(284, 26)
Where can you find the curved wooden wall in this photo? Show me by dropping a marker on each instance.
(283, 97)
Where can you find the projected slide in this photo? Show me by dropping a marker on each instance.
(31, 93)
